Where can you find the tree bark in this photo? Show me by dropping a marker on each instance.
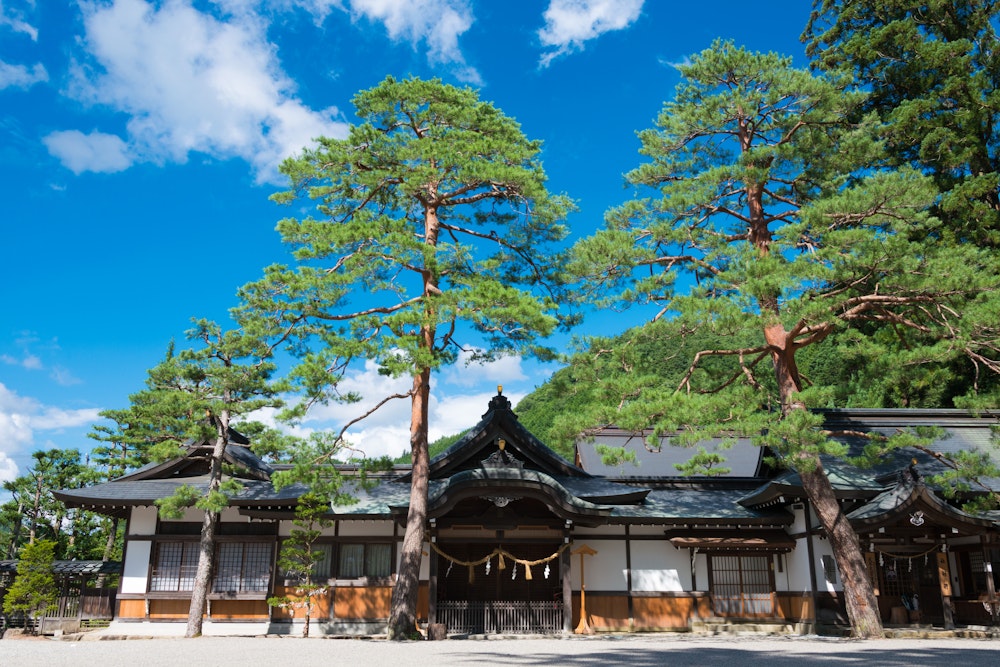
(206, 546)
(403, 615)
(859, 595)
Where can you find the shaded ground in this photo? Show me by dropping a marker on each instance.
(645, 651)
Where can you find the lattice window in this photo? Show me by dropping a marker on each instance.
(175, 566)
(242, 567)
(977, 564)
(898, 576)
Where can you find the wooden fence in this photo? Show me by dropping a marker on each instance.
(501, 617)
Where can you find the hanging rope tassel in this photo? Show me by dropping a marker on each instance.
(527, 572)
(501, 565)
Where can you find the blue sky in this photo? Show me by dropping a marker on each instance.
(139, 142)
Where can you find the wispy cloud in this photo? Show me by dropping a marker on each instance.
(22, 417)
(97, 151)
(433, 25)
(21, 76)
(189, 83)
(569, 24)
(12, 19)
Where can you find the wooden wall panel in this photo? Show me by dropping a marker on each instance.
(662, 613)
(168, 609)
(371, 602)
(320, 610)
(423, 605)
(604, 611)
(131, 609)
(794, 606)
(239, 610)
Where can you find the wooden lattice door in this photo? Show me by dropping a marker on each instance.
(742, 586)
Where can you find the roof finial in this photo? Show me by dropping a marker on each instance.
(499, 389)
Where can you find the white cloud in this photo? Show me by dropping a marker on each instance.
(21, 417)
(97, 151)
(190, 82)
(28, 361)
(437, 24)
(503, 370)
(20, 76)
(11, 18)
(571, 23)
(387, 431)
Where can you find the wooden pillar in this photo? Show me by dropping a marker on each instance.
(567, 591)
(628, 577)
(432, 583)
(813, 612)
(944, 580)
(583, 627)
(991, 591)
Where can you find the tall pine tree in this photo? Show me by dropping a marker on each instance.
(434, 237)
(765, 214)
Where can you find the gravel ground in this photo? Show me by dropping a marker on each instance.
(605, 651)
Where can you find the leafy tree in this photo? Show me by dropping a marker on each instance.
(298, 559)
(933, 72)
(434, 238)
(767, 198)
(197, 394)
(33, 513)
(34, 591)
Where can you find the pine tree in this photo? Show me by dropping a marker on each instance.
(434, 238)
(34, 591)
(768, 215)
(196, 395)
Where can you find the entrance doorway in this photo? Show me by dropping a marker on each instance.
(499, 600)
(741, 586)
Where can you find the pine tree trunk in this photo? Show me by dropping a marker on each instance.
(403, 615)
(859, 595)
(203, 575)
(206, 546)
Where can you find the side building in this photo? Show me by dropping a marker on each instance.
(519, 540)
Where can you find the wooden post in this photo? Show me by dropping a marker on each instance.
(991, 591)
(432, 583)
(944, 579)
(567, 592)
(583, 627)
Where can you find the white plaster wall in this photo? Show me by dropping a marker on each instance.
(605, 571)
(366, 528)
(822, 548)
(143, 521)
(136, 566)
(659, 566)
(796, 574)
(285, 529)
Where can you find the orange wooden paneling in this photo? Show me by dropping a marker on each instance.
(603, 611)
(423, 606)
(239, 609)
(164, 609)
(662, 613)
(131, 609)
(321, 605)
(794, 606)
(370, 602)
